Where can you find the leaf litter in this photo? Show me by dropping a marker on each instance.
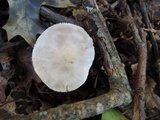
(24, 17)
(21, 90)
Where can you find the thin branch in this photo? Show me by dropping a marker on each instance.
(55, 17)
(139, 97)
(148, 24)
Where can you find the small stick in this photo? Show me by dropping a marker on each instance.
(152, 39)
(148, 24)
(55, 17)
(139, 97)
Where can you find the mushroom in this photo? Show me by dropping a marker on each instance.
(62, 56)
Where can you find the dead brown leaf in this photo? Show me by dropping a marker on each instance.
(5, 57)
(3, 85)
(79, 14)
(104, 2)
(152, 100)
(10, 105)
(24, 61)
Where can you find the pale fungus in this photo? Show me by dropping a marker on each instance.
(62, 56)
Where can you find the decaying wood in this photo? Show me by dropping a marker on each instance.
(119, 93)
(139, 96)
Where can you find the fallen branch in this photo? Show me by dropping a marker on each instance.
(82, 109)
(111, 58)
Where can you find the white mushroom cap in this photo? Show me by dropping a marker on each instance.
(62, 56)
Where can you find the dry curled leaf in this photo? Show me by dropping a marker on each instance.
(24, 17)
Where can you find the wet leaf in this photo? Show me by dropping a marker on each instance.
(24, 17)
(113, 114)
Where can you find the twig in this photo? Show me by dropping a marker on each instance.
(139, 96)
(148, 24)
(152, 39)
(55, 17)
